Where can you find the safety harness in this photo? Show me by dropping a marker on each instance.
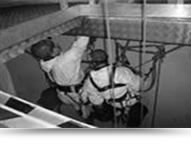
(123, 116)
(70, 89)
(110, 86)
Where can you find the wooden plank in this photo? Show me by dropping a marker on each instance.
(6, 83)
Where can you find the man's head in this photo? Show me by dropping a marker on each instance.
(45, 50)
(99, 57)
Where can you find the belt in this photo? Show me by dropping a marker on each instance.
(70, 89)
(118, 100)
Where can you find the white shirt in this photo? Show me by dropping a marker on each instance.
(123, 75)
(66, 69)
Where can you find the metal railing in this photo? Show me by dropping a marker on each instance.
(29, 115)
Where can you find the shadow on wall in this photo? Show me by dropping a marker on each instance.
(27, 77)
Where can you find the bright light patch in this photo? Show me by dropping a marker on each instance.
(180, 10)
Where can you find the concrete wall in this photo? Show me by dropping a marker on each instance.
(174, 103)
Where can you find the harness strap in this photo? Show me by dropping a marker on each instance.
(119, 100)
(69, 89)
(105, 88)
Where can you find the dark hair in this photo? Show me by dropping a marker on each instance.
(42, 49)
(99, 56)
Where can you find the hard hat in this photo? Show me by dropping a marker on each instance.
(99, 55)
(42, 49)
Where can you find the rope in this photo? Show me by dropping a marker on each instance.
(109, 49)
(167, 52)
(143, 46)
(156, 94)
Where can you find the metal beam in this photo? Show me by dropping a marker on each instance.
(29, 115)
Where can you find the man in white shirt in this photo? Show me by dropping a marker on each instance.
(63, 68)
(100, 98)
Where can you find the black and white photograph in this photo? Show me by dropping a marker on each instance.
(95, 64)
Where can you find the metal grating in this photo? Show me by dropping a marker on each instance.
(158, 29)
(15, 15)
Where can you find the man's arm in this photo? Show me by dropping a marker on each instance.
(79, 46)
(91, 94)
